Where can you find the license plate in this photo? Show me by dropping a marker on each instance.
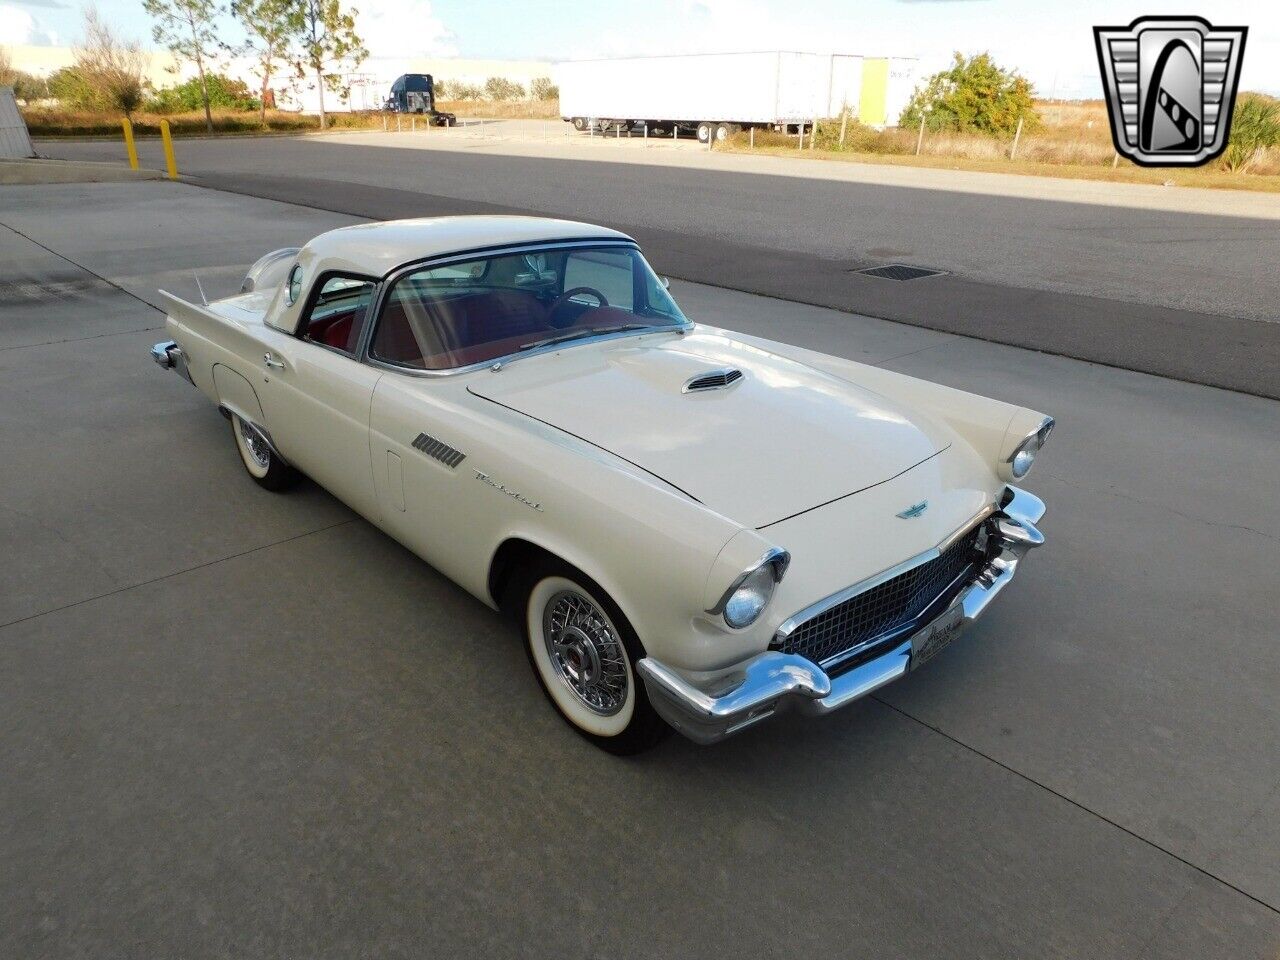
(930, 641)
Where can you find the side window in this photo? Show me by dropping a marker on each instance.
(338, 313)
(608, 271)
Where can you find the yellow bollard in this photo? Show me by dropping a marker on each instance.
(169, 160)
(128, 143)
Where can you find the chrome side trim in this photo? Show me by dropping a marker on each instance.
(772, 681)
(781, 559)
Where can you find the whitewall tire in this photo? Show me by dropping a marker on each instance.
(584, 652)
(267, 469)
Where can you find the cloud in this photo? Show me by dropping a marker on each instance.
(19, 27)
(405, 28)
(45, 4)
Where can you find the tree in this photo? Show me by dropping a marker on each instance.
(107, 73)
(543, 89)
(974, 95)
(270, 27)
(1255, 126)
(327, 40)
(500, 88)
(187, 28)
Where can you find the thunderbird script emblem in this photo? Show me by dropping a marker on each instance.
(914, 510)
(1170, 84)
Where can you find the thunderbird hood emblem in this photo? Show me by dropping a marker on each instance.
(914, 510)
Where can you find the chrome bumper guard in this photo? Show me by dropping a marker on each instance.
(169, 356)
(773, 680)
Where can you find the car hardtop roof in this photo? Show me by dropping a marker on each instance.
(375, 249)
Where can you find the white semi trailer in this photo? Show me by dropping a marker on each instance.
(715, 95)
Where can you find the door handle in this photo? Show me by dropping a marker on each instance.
(270, 360)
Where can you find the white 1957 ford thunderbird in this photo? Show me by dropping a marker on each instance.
(694, 528)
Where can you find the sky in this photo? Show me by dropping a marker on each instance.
(1051, 43)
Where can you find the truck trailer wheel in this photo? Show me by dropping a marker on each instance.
(579, 123)
(706, 129)
(726, 130)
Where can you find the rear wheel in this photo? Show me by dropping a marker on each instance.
(705, 131)
(579, 124)
(584, 651)
(267, 469)
(725, 130)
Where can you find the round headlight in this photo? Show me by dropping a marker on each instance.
(1022, 461)
(747, 602)
(1024, 455)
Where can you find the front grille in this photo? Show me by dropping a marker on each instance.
(885, 609)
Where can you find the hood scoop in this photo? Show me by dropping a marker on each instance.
(715, 380)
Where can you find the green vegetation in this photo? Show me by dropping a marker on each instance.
(542, 88)
(1255, 128)
(221, 92)
(187, 29)
(500, 88)
(26, 87)
(974, 96)
(107, 73)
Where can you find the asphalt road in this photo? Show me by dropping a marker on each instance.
(1175, 283)
(241, 724)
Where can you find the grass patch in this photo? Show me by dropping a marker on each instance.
(1073, 141)
(44, 122)
(503, 109)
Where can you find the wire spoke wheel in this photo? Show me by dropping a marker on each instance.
(587, 655)
(255, 444)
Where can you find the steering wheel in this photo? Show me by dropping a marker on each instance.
(561, 300)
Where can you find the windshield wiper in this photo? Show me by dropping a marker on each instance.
(585, 332)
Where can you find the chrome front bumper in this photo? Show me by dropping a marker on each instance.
(169, 356)
(773, 680)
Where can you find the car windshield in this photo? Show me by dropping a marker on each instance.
(474, 311)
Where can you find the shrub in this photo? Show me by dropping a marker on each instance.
(975, 95)
(460, 91)
(224, 93)
(106, 75)
(500, 88)
(543, 89)
(1255, 126)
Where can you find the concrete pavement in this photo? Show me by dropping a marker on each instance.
(239, 723)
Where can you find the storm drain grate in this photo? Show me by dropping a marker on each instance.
(900, 271)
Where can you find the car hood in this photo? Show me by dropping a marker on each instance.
(779, 440)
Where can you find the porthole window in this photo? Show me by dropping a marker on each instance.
(295, 284)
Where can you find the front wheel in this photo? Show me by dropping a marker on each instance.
(266, 468)
(579, 124)
(706, 129)
(583, 651)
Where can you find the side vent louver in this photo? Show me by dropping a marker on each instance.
(439, 451)
(715, 380)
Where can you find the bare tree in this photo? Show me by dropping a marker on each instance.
(327, 41)
(110, 70)
(270, 27)
(187, 28)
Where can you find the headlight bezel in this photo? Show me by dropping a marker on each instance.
(1020, 461)
(775, 560)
